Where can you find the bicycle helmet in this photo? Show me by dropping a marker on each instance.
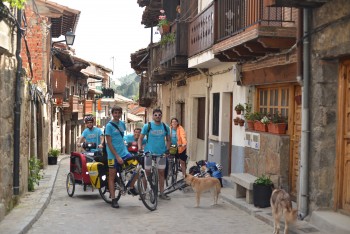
(89, 118)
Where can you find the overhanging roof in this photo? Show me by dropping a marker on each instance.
(62, 18)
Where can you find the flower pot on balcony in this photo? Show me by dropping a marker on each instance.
(165, 28)
(250, 124)
(259, 126)
(277, 128)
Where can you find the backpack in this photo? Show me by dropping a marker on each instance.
(149, 129)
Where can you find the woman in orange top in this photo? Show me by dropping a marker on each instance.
(178, 138)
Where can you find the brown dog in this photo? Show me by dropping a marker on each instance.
(200, 185)
(281, 204)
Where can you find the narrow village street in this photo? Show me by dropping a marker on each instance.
(87, 213)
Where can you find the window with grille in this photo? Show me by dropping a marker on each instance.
(274, 100)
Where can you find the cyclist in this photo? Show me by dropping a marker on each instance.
(91, 134)
(116, 149)
(178, 138)
(158, 142)
(131, 141)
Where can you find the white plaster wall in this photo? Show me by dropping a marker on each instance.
(203, 4)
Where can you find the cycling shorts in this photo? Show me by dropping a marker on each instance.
(161, 161)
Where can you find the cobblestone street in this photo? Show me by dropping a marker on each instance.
(86, 212)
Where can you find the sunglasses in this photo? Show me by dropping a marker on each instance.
(157, 115)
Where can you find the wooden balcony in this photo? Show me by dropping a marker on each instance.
(88, 107)
(248, 29)
(147, 92)
(174, 55)
(158, 74)
(74, 103)
(201, 31)
(80, 111)
(58, 83)
(295, 3)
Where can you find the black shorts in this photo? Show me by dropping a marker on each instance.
(183, 156)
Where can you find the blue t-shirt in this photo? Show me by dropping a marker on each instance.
(130, 138)
(173, 137)
(117, 139)
(92, 136)
(156, 138)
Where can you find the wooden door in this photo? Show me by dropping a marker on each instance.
(295, 142)
(343, 143)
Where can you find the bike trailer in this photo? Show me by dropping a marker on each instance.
(98, 174)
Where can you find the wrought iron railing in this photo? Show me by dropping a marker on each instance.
(235, 16)
(201, 31)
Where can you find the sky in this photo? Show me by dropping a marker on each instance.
(107, 29)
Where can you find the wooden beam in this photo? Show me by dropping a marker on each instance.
(279, 43)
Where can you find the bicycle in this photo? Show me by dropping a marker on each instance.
(130, 169)
(173, 169)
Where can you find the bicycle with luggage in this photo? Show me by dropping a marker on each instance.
(130, 174)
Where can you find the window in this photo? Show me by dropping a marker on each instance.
(201, 119)
(216, 108)
(274, 100)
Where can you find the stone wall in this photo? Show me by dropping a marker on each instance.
(328, 45)
(272, 159)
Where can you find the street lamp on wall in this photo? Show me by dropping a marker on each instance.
(69, 38)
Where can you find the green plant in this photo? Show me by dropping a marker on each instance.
(263, 180)
(35, 174)
(277, 118)
(16, 3)
(239, 107)
(54, 152)
(162, 20)
(167, 38)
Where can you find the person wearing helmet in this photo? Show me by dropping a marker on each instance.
(91, 134)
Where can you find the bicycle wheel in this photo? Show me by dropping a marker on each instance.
(170, 175)
(177, 185)
(70, 184)
(147, 194)
(106, 195)
(154, 180)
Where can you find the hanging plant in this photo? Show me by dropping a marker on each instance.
(16, 3)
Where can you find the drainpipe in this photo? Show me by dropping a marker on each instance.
(305, 125)
(17, 109)
(208, 85)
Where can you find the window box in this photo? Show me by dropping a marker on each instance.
(259, 126)
(277, 128)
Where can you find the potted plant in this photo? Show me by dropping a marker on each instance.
(163, 23)
(249, 116)
(260, 124)
(167, 38)
(53, 154)
(241, 122)
(262, 190)
(277, 124)
(239, 108)
(236, 120)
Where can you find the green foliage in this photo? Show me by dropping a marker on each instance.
(34, 173)
(167, 38)
(54, 152)
(129, 86)
(239, 107)
(263, 180)
(16, 3)
(277, 118)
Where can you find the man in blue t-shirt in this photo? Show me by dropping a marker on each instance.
(91, 134)
(158, 142)
(131, 141)
(116, 149)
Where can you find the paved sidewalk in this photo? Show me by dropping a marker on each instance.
(32, 204)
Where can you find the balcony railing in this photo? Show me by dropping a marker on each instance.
(58, 83)
(81, 111)
(235, 16)
(88, 108)
(201, 31)
(175, 54)
(74, 103)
